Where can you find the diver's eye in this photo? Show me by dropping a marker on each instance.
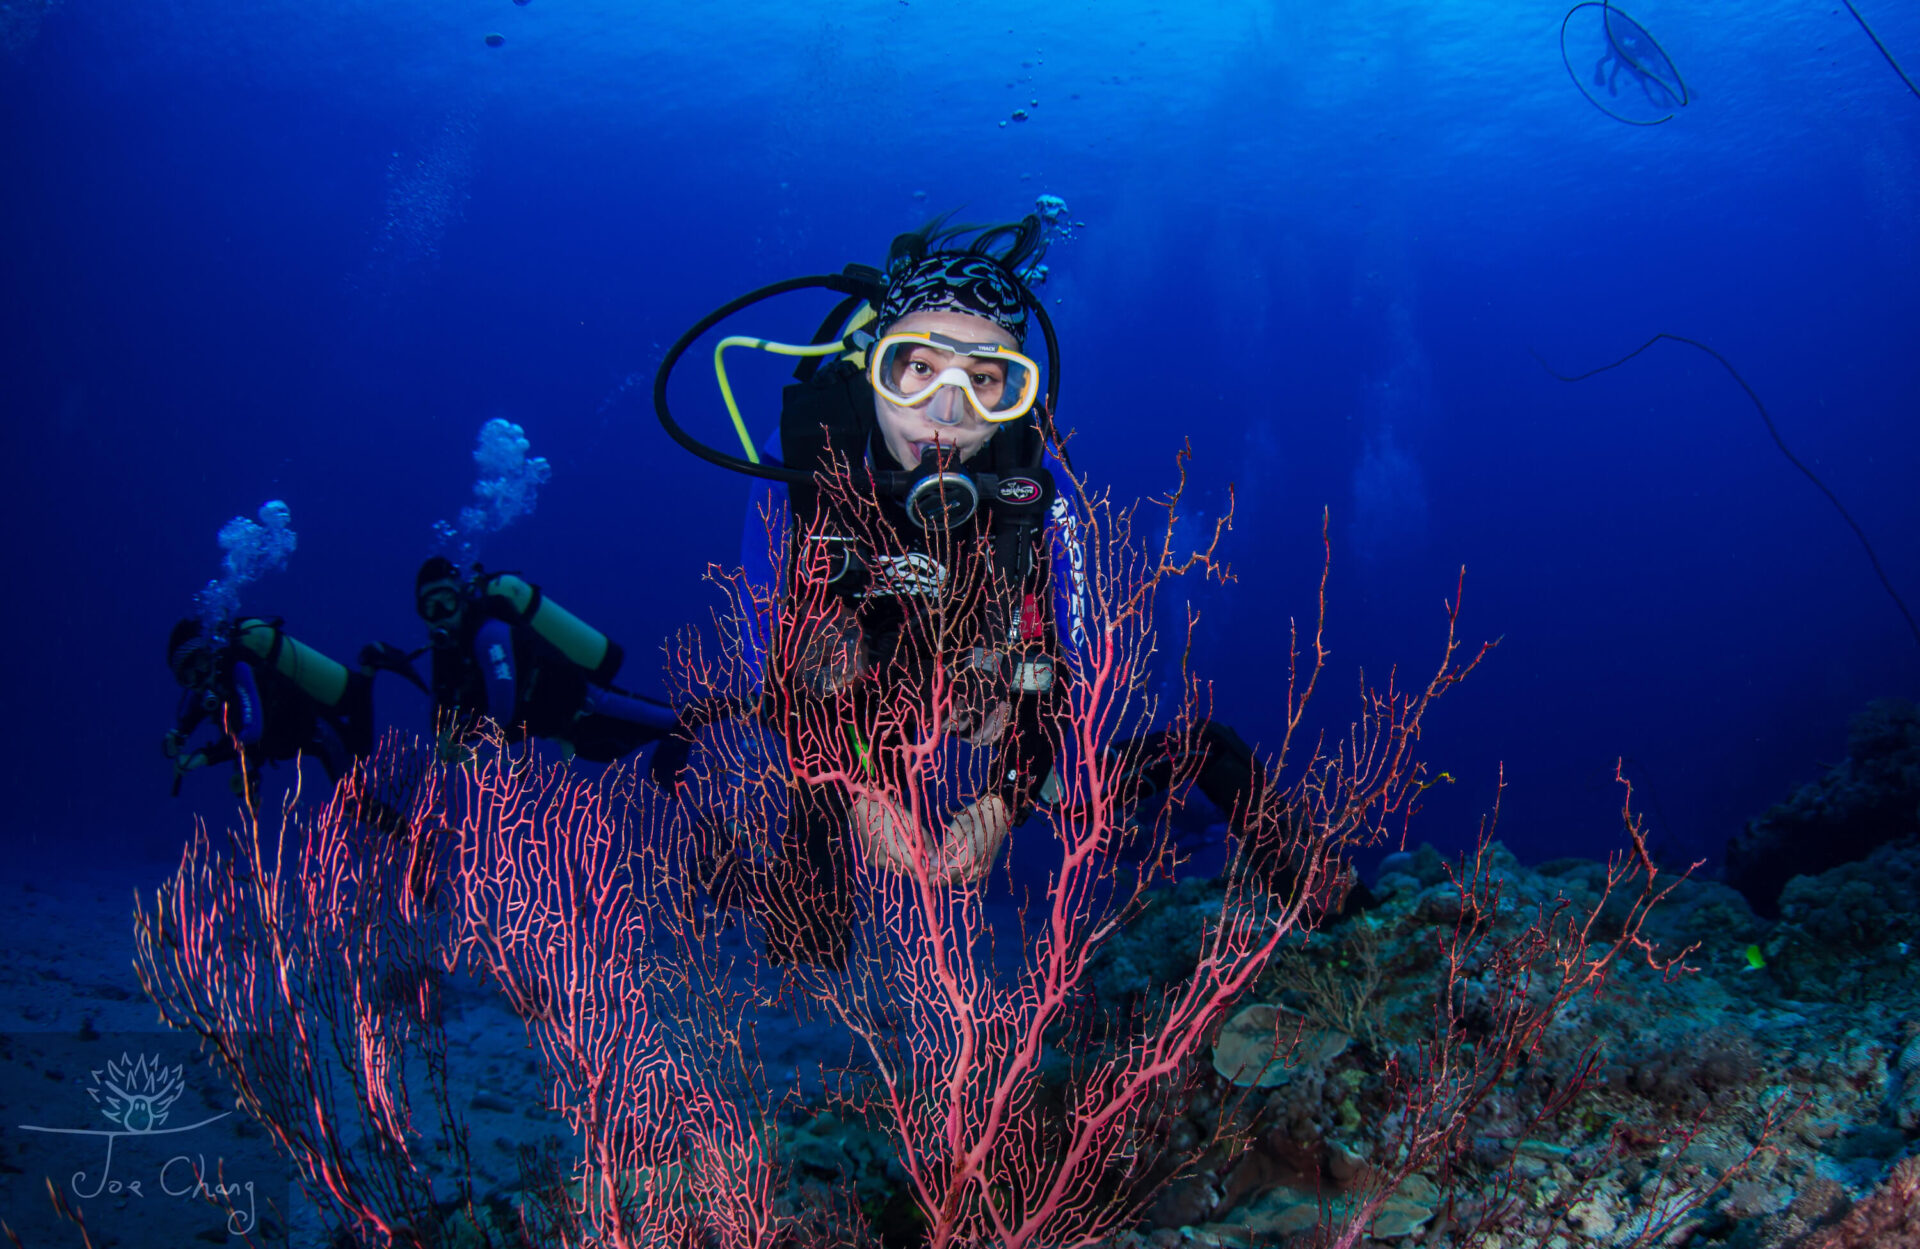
(919, 368)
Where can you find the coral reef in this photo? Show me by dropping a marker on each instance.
(1870, 798)
(1783, 1107)
(1847, 935)
(1771, 1096)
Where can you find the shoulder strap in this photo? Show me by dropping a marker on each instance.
(1021, 494)
(816, 414)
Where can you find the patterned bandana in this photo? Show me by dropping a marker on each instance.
(179, 655)
(959, 281)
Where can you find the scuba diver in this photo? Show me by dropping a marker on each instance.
(503, 651)
(918, 396)
(271, 698)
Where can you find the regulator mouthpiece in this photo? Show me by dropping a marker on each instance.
(941, 495)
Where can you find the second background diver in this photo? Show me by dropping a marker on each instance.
(499, 649)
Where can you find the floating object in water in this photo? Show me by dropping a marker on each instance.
(1881, 46)
(1019, 114)
(1624, 47)
(496, 39)
(1766, 418)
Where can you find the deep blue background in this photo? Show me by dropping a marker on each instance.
(300, 251)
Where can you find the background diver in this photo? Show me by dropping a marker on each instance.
(269, 698)
(936, 397)
(501, 650)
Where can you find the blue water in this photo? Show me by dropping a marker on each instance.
(302, 251)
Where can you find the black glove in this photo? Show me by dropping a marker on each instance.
(670, 758)
(386, 657)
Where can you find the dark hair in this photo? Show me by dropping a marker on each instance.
(437, 568)
(1015, 246)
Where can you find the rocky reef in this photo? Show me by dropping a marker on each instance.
(1868, 799)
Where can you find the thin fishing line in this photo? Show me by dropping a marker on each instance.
(1778, 441)
(1881, 46)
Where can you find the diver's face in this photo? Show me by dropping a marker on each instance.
(440, 604)
(194, 669)
(947, 419)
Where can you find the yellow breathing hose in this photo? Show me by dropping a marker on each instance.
(779, 349)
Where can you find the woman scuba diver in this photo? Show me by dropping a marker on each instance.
(924, 563)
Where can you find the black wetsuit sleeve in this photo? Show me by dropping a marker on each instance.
(192, 714)
(220, 750)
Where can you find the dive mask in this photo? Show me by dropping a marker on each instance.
(439, 602)
(193, 664)
(999, 383)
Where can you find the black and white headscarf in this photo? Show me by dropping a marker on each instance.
(961, 281)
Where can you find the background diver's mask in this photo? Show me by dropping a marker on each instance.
(439, 604)
(196, 666)
(913, 370)
(193, 663)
